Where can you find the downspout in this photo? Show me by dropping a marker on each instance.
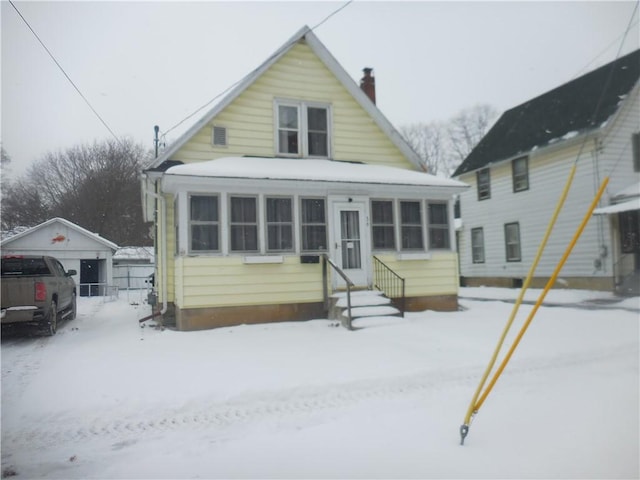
(163, 208)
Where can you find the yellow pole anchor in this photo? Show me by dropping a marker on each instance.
(475, 407)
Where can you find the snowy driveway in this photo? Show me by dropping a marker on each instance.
(107, 399)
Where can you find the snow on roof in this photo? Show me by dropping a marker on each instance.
(619, 207)
(130, 253)
(310, 170)
(630, 191)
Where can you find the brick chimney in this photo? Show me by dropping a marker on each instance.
(368, 84)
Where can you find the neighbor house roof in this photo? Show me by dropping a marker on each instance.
(66, 223)
(330, 62)
(579, 106)
(316, 170)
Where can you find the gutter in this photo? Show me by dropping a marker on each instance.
(163, 209)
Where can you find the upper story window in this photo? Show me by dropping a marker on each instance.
(303, 129)
(382, 225)
(483, 179)
(313, 224)
(520, 174)
(279, 224)
(635, 144)
(411, 225)
(512, 241)
(438, 225)
(204, 226)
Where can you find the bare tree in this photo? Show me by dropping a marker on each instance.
(95, 186)
(467, 128)
(443, 146)
(428, 141)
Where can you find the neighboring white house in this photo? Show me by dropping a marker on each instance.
(76, 248)
(132, 267)
(517, 173)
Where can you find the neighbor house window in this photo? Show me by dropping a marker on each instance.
(411, 225)
(243, 224)
(483, 178)
(204, 226)
(512, 241)
(477, 245)
(313, 224)
(635, 146)
(279, 224)
(303, 129)
(438, 224)
(382, 226)
(520, 174)
(176, 229)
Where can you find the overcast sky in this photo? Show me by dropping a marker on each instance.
(142, 64)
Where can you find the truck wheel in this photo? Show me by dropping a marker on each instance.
(52, 320)
(74, 307)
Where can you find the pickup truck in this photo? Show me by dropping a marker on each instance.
(36, 291)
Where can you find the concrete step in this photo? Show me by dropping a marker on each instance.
(363, 301)
(380, 321)
(372, 311)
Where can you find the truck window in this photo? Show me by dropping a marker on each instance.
(24, 267)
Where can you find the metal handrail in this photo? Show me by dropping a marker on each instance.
(325, 289)
(390, 283)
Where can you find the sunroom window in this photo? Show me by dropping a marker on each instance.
(411, 225)
(204, 226)
(279, 224)
(243, 224)
(438, 225)
(313, 224)
(382, 225)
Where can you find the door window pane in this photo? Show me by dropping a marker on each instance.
(350, 239)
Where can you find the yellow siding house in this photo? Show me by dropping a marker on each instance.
(294, 166)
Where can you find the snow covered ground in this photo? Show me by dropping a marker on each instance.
(106, 398)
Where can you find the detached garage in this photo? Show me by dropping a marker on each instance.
(76, 248)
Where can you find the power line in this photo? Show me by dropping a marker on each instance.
(337, 10)
(64, 72)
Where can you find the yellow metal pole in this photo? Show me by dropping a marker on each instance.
(547, 287)
(565, 191)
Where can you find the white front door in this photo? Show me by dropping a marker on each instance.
(351, 250)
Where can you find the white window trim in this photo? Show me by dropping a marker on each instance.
(303, 127)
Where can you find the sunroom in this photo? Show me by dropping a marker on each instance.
(250, 231)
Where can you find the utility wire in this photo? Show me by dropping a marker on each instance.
(251, 73)
(64, 72)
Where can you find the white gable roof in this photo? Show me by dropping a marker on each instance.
(331, 63)
(66, 223)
